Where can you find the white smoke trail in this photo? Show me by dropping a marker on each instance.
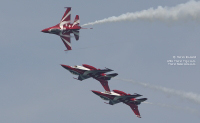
(187, 11)
(187, 109)
(185, 95)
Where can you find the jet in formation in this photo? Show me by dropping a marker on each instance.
(87, 71)
(65, 28)
(119, 96)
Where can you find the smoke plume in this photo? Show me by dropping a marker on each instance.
(182, 12)
(192, 97)
(187, 109)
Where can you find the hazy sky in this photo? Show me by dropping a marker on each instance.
(35, 88)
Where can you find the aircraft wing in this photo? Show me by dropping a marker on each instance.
(96, 72)
(126, 97)
(135, 110)
(66, 40)
(104, 83)
(66, 17)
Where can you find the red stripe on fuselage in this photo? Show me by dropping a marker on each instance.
(89, 67)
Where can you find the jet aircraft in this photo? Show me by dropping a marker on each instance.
(119, 96)
(65, 27)
(87, 71)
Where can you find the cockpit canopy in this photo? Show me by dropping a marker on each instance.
(55, 31)
(80, 67)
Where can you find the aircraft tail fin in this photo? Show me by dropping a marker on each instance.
(76, 21)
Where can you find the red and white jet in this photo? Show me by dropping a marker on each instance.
(87, 71)
(65, 27)
(119, 96)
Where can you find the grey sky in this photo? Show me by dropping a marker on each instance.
(35, 88)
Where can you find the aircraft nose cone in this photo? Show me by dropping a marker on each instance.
(95, 92)
(65, 66)
(45, 31)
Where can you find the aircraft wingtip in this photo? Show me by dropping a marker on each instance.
(68, 50)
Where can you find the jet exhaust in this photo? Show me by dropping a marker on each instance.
(182, 12)
(191, 96)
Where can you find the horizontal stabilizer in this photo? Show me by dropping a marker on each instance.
(108, 76)
(76, 34)
(111, 75)
(138, 95)
(108, 69)
(141, 100)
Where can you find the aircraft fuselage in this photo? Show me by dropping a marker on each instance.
(61, 31)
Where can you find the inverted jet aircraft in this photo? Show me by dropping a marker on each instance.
(65, 27)
(119, 96)
(87, 71)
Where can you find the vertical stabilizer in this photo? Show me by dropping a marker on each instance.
(76, 21)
